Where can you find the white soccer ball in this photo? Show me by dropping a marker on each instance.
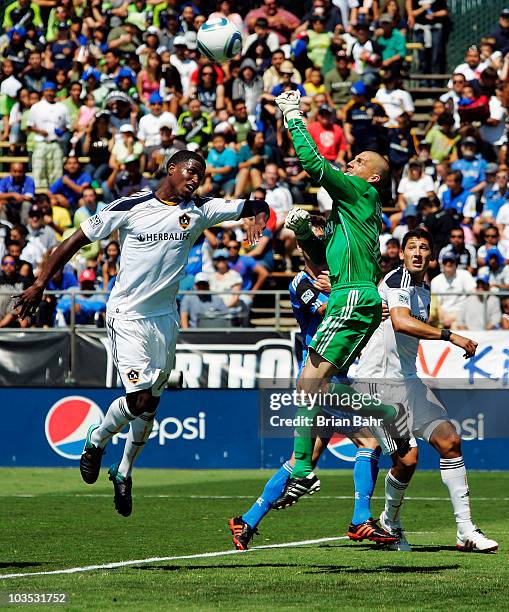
(219, 40)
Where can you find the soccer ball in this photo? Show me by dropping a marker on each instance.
(219, 40)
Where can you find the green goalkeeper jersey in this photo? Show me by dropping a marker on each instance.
(352, 232)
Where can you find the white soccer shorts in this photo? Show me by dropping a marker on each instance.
(143, 351)
(425, 412)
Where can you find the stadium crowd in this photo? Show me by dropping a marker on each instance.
(95, 97)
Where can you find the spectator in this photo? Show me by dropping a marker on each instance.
(63, 280)
(472, 107)
(194, 126)
(221, 168)
(402, 146)
(40, 237)
(252, 159)
(392, 249)
(465, 254)
(125, 147)
(366, 53)
(504, 303)
(493, 131)
(48, 120)
(457, 197)
(261, 34)
(290, 170)
(442, 138)
(55, 217)
(415, 185)
(183, 63)
(392, 42)
(148, 80)
(273, 76)
(70, 186)
(263, 252)
(471, 69)
(501, 32)
(86, 307)
(453, 96)
(280, 21)
(150, 124)
(450, 281)
(277, 196)
(248, 86)
(480, 311)
(496, 269)
(319, 38)
(124, 182)
(328, 136)
(494, 199)
(17, 191)
(11, 283)
(408, 222)
(241, 122)
(197, 307)
(253, 274)
(209, 92)
(35, 75)
(363, 123)
(493, 241)
(97, 144)
(394, 99)
(22, 11)
(110, 266)
(161, 154)
(225, 280)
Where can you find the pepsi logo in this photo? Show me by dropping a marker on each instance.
(67, 424)
(342, 447)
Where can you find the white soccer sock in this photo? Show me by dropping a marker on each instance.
(394, 494)
(116, 419)
(139, 432)
(454, 477)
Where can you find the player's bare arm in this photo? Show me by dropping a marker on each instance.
(28, 301)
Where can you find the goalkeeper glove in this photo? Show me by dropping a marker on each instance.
(289, 104)
(299, 221)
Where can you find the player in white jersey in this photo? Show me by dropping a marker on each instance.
(156, 230)
(391, 355)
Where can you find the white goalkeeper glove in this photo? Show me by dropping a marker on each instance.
(289, 104)
(299, 221)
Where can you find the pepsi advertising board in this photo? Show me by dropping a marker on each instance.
(194, 429)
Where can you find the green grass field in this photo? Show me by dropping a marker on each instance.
(51, 521)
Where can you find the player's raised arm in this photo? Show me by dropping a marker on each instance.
(368, 167)
(28, 301)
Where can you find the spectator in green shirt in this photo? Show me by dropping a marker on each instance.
(22, 9)
(393, 43)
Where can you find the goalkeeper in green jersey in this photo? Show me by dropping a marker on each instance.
(351, 245)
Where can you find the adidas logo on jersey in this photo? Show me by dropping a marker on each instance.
(163, 236)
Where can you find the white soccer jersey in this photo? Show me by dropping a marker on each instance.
(389, 354)
(155, 239)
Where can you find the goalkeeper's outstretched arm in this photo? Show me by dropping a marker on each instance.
(339, 186)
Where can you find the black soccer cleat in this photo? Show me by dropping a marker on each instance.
(242, 532)
(90, 461)
(295, 488)
(122, 486)
(372, 531)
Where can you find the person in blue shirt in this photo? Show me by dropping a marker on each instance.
(86, 306)
(17, 191)
(457, 197)
(309, 293)
(252, 272)
(71, 185)
(495, 197)
(286, 72)
(471, 165)
(221, 168)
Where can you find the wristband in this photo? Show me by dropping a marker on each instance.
(445, 334)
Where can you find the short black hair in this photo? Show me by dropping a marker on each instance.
(418, 232)
(181, 157)
(392, 241)
(318, 221)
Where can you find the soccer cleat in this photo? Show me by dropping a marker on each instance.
(476, 541)
(122, 486)
(396, 529)
(242, 532)
(90, 461)
(370, 530)
(296, 488)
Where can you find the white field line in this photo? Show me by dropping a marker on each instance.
(223, 553)
(316, 497)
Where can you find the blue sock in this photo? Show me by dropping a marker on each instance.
(271, 492)
(365, 472)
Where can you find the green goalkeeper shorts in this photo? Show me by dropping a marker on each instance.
(353, 314)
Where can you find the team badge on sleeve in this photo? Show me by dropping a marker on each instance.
(307, 296)
(95, 221)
